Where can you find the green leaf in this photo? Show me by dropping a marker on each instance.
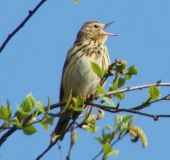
(120, 96)
(5, 112)
(100, 89)
(99, 139)
(126, 118)
(121, 82)
(116, 122)
(97, 69)
(113, 153)
(76, 1)
(107, 148)
(28, 103)
(106, 137)
(128, 76)
(115, 84)
(45, 126)
(79, 101)
(16, 123)
(132, 70)
(68, 101)
(21, 113)
(74, 136)
(48, 120)
(108, 100)
(108, 127)
(29, 130)
(40, 106)
(154, 92)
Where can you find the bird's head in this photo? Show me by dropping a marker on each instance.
(94, 30)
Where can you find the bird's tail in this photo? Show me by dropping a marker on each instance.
(61, 127)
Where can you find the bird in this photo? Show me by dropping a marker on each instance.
(78, 76)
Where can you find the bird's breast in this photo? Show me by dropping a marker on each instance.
(78, 75)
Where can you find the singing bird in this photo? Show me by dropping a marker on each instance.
(78, 75)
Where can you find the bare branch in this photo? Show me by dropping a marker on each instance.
(134, 88)
(31, 12)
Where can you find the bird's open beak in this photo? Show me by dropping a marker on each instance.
(105, 26)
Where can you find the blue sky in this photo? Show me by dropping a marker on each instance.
(33, 59)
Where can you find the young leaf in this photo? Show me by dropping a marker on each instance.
(115, 84)
(79, 101)
(100, 90)
(120, 96)
(74, 136)
(108, 100)
(97, 69)
(29, 130)
(154, 92)
(76, 1)
(126, 118)
(28, 103)
(106, 137)
(121, 82)
(16, 123)
(45, 126)
(107, 148)
(132, 70)
(113, 153)
(48, 120)
(128, 76)
(5, 113)
(21, 113)
(40, 106)
(99, 139)
(116, 122)
(68, 101)
(108, 127)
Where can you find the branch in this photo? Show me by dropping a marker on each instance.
(116, 110)
(13, 129)
(134, 88)
(21, 25)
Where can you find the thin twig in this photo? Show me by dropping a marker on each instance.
(111, 145)
(52, 143)
(134, 88)
(148, 103)
(21, 25)
(115, 109)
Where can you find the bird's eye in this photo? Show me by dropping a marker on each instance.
(96, 26)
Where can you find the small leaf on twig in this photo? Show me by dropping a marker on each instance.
(29, 130)
(154, 92)
(100, 90)
(97, 69)
(5, 112)
(108, 100)
(74, 136)
(132, 70)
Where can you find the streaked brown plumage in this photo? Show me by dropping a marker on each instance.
(78, 75)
